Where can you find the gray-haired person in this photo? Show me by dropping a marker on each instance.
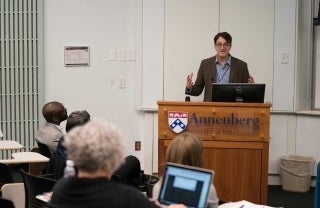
(97, 149)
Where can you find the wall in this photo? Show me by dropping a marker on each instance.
(284, 55)
(109, 28)
(316, 49)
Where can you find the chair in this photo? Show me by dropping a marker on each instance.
(35, 168)
(116, 178)
(6, 203)
(33, 186)
(5, 174)
(130, 172)
(145, 184)
(149, 185)
(44, 149)
(317, 188)
(15, 193)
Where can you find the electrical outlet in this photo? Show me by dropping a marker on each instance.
(137, 146)
(112, 55)
(131, 55)
(284, 57)
(122, 83)
(121, 55)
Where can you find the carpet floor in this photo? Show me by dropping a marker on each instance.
(277, 197)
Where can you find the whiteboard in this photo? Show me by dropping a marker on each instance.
(189, 33)
(317, 66)
(152, 50)
(260, 37)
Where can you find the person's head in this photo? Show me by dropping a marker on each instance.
(95, 146)
(185, 149)
(222, 44)
(54, 112)
(77, 118)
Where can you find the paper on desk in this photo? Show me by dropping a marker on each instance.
(242, 204)
(46, 196)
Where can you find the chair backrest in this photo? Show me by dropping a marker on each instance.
(33, 186)
(149, 185)
(5, 174)
(35, 168)
(6, 203)
(47, 168)
(116, 178)
(15, 193)
(44, 149)
(317, 188)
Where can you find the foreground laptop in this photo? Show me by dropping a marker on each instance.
(185, 185)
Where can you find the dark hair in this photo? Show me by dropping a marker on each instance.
(77, 118)
(225, 36)
(54, 112)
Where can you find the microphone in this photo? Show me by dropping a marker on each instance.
(187, 98)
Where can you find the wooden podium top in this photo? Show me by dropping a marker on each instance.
(200, 103)
(215, 120)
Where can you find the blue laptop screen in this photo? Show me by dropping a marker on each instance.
(186, 185)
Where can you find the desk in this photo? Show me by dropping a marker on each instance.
(25, 157)
(10, 145)
(242, 203)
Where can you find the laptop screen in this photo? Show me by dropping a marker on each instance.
(185, 185)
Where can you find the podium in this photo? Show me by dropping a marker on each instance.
(235, 138)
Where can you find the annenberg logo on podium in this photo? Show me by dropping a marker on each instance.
(177, 121)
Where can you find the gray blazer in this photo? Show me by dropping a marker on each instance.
(207, 74)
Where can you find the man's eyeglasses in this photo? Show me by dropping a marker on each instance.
(225, 45)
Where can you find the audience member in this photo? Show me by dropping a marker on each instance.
(129, 172)
(187, 149)
(50, 133)
(97, 149)
(76, 118)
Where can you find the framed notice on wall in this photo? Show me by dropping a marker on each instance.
(76, 56)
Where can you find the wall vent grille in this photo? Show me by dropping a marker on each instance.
(20, 65)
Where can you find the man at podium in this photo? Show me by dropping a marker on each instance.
(221, 68)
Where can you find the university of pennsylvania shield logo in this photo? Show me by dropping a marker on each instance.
(177, 121)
